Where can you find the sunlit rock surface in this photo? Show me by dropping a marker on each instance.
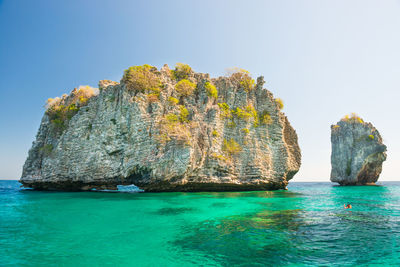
(123, 137)
(357, 152)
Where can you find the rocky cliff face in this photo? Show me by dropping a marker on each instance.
(165, 131)
(357, 152)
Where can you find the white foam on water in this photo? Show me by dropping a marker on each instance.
(129, 188)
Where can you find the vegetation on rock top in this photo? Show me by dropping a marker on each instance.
(182, 71)
(279, 102)
(61, 110)
(242, 77)
(185, 87)
(353, 117)
(142, 79)
(174, 125)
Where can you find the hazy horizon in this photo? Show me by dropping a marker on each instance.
(325, 59)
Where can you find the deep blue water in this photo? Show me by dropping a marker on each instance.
(304, 226)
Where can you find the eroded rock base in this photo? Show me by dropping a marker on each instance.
(156, 187)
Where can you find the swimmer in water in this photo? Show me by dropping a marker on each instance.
(348, 206)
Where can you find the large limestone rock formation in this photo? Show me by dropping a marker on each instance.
(166, 130)
(357, 152)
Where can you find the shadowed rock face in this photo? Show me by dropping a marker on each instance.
(120, 138)
(357, 152)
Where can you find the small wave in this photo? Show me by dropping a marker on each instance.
(129, 188)
(122, 188)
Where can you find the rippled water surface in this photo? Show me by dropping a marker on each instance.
(305, 225)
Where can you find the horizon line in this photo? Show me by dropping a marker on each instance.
(319, 181)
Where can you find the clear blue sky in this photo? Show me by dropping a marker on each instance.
(323, 58)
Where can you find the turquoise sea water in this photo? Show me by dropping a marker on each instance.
(303, 226)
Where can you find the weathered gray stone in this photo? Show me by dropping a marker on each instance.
(115, 140)
(357, 152)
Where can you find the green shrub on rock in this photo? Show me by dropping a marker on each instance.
(59, 115)
(142, 79)
(173, 100)
(184, 113)
(253, 112)
(231, 124)
(243, 78)
(171, 117)
(211, 90)
(61, 110)
(215, 133)
(265, 117)
(185, 87)
(225, 110)
(353, 117)
(46, 149)
(182, 71)
(279, 102)
(245, 131)
(247, 84)
(175, 127)
(241, 114)
(171, 128)
(231, 147)
(247, 113)
(220, 157)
